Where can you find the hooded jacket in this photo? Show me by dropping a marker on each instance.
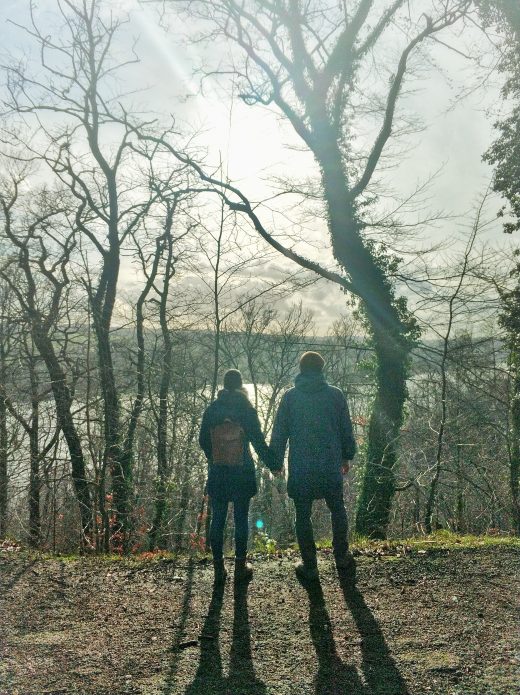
(231, 482)
(314, 418)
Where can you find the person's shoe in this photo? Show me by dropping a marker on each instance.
(346, 566)
(220, 572)
(243, 570)
(306, 572)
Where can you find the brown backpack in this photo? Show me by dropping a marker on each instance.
(227, 444)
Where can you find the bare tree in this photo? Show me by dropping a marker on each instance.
(43, 242)
(90, 150)
(453, 301)
(164, 263)
(7, 336)
(31, 425)
(308, 60)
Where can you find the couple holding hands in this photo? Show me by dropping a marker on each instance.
(313, 417)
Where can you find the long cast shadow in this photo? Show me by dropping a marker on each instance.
(169, 683)
(15, 578)
(242, 678)
(209, 678)
(381, 673)
(334, 677)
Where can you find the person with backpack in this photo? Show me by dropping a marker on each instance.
(314, 418)
(228, 426)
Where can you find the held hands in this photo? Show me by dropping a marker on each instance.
(274, 464)
(276, 469)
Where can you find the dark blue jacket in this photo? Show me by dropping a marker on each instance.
(231, 482)
(313, 416)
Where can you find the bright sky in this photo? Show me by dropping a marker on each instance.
(253, 141)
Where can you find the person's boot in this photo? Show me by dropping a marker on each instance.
(243, 570)
(346, 566)
(220, 572)
(307, 572)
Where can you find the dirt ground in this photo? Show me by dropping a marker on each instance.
(439, 622)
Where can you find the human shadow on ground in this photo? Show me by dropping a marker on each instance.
(16, 576)
(242, 678)
(169, 683)
(210, 677)
(381, 674)
(334, 677)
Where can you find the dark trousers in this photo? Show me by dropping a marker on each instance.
(219, 510)
(304, 531)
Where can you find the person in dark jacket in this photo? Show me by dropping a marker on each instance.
(232, 483)
(314, 418)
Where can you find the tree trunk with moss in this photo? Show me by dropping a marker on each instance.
(307, 60)
(378, 487)
(390, 338)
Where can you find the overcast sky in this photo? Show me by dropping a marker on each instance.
(254, 142)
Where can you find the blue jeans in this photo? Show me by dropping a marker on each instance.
(219, 510)
(305, 533)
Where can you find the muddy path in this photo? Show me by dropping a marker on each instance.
(442, 622)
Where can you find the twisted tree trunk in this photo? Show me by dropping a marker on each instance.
(389, 336)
